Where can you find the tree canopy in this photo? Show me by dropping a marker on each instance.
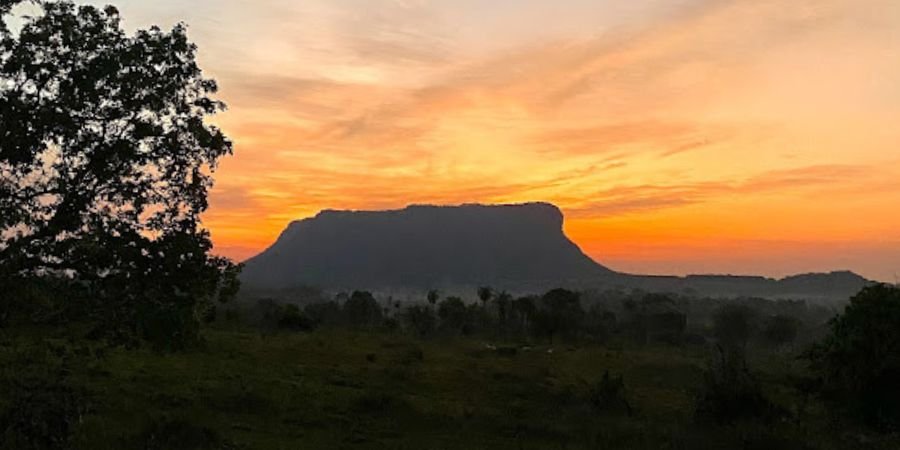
(106, 157)
(860, 358)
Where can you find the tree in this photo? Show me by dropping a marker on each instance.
(419, 319)
(294, 319)
(599, 323)
(452, 312)
(729, 391)
(106, 160)
(524, 309)
(781, 330)
(485, 294)
(504, 302)
(560, 312)
(362, 310)
(859, 361)
(433, 296)
(733, 326)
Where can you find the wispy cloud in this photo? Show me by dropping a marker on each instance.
(655, 113)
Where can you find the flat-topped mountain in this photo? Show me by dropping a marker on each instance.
(521, 248)
(425, 246)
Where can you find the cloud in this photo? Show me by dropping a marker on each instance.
(642, 198)
(352, 104)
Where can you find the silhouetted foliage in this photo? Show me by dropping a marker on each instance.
(294, 319)
(433, 297)
(362, 310)
(733, 326)
(860, 359)
(419, 319)
(41, 407)
(105, 165)
(503, 304)
(559, 313)
(452, 312)
(524, 309)
(485, 294)
(781, 330)
(730, 393)
(599, 323)
(326, 313)
(608, 395)
(654, 318)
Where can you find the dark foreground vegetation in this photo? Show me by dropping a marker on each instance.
(563, 370)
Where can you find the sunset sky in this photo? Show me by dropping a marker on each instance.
(678, 136)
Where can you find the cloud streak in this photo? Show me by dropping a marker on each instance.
(717, 119)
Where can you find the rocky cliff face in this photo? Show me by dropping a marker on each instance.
(423, 247)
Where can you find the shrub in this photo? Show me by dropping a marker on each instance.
(860, 360)
(293, 319)
(608, 395)
(781, 330)
(733, 326)
(323, 313)
(452, 312)
(560, 312)
(362, 310)
(730, 393)
(419, 320)
(42, 408)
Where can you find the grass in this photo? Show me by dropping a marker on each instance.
(375, 390)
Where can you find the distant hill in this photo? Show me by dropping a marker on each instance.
(423, 247)
(515, 247)
(833, 286)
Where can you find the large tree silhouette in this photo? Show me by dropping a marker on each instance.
(106, 160)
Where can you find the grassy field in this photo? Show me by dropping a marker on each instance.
(341, 389)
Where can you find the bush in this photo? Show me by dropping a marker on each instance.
(42, 409)
(452, 312)
(732, 326)
(560, 313)
(362, 310)
(419, 320)
(324, 313)
(730, 393)
(293, 319)
(859, 361)
(781, 330)
(608, 395)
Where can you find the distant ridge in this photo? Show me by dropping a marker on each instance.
(425, 246)
(519, 247)
(832, 286)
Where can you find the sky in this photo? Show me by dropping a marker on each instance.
(678, 136)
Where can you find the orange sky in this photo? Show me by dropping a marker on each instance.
(681, 137)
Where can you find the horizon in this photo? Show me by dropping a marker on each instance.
(677, 138)
(537, 202)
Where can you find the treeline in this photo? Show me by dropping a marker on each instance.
(557, 315)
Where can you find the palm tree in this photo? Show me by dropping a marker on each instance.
(433, 297)
(485, 294)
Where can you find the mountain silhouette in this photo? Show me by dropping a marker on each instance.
(515, 247)
(425, 246)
